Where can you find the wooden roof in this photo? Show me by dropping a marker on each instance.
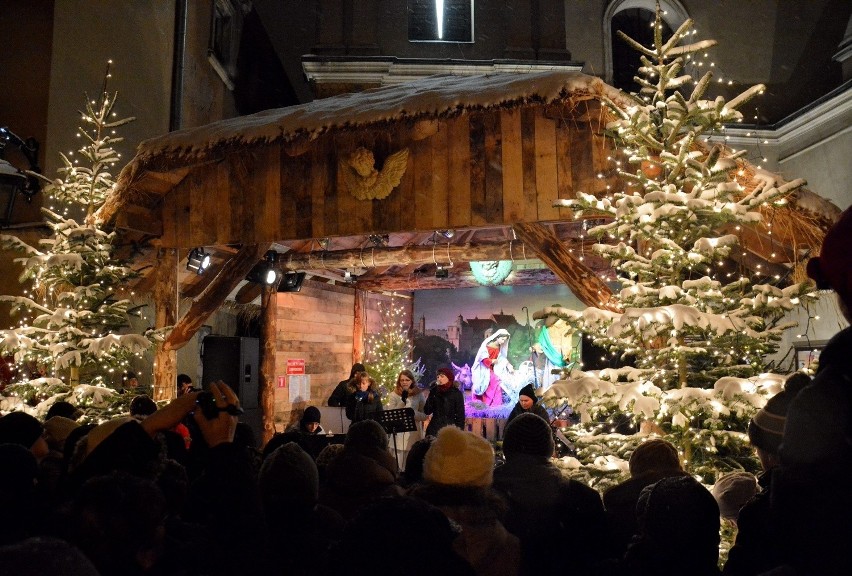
(488, 157)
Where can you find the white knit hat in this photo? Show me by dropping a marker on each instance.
(459, 458)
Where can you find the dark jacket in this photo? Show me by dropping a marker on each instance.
(810, 498)
(446, 409)
(549, 512)
(359, 408)
(340, 395)
(620, 504)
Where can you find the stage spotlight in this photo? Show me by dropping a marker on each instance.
(446, 233)
(441, 272)
(291, 282)
(198, 260)
(265, 272)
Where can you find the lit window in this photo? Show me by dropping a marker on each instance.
(440, 20)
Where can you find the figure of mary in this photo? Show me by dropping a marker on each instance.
(490, 368)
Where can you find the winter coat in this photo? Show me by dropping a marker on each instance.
(810, 500)
(620, 505)
(549, 512)
(356, 477)
(404, 440)
(359, 408)
(340, 395)
(446, 409)
(483, 540)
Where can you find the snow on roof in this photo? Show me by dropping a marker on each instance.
(432, 96)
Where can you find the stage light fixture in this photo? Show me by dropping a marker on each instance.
(198, 260)
(265, 272)
(291, 282)
(446, 233)
(441, 272)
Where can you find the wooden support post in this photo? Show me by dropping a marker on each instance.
(358, 326)
(266, 390)
(165, 314)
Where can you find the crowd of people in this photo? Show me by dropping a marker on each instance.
(181, 490)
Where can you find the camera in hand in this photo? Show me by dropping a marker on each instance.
(207, 403)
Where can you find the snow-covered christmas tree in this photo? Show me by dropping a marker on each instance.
(389, 351)
(694, 327)
(73, 340)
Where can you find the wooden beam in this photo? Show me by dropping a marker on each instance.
(460, 277)
(266, 392)
(165, 314)
(140, 219)
(582, 280)
(231, 274)
(440, 253)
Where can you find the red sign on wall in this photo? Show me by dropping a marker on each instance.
(282, 381)
(295, 366)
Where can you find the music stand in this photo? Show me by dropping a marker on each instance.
(398, 420)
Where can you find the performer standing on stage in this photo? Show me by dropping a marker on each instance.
(491, 370)
(407, 394)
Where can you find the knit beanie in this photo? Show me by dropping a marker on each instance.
(655, 455)
(63, 408)
(528, 434)
(312, 414)
(288, 478)
(20, 428)
(459, 458)
(529, 392)
(58, 428)
(766, 428)
(732, 491)
(448, 372)
(102, 431)
(833, 267)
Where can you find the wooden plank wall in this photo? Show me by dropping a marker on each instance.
(316, 324)
(480, 168)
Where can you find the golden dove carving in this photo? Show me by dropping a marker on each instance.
(367, 183)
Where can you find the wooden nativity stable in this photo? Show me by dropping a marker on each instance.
(371, 193)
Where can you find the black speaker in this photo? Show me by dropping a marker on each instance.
(235, 361)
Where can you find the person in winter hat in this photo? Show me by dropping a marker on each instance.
(678, 533)
(732, 491)
(527, 404)
(650, 462)
(21, 428)
(310, 421)
(458, 471)
(547, 511)
(810, 494)
(445, 403)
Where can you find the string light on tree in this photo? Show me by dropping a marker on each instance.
(77, 327)
(680, 191)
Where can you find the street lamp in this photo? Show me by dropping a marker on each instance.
(13, 180)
